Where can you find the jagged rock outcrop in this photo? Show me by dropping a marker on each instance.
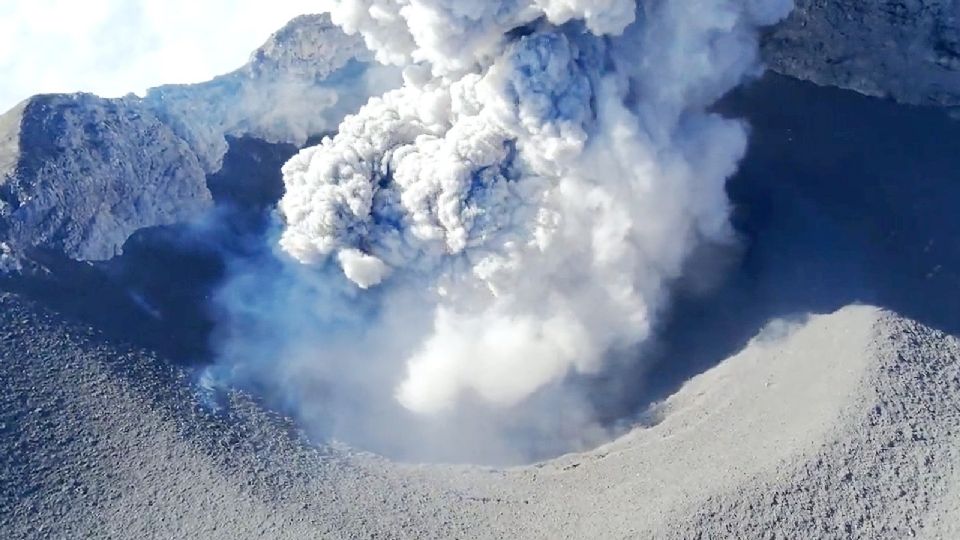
(81, 173)
(908, 50)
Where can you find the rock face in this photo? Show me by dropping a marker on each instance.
(908, 50)
(80, 174)
(88, 172)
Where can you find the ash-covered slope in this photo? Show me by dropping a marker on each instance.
(79, 174)
(844, 426)
(908, 50)
(890, 460)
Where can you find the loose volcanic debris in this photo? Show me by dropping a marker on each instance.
(846, 427)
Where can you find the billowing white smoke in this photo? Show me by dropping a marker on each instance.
(517, 211)
(549, 184)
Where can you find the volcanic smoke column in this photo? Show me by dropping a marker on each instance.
(541, 177)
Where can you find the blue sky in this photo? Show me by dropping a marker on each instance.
(112, 47)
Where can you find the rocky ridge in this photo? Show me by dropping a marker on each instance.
(79, 174)
(91, 171)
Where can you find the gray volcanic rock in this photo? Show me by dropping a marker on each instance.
(908, 50)
(299, 84)
(308, 47)
(81, 173)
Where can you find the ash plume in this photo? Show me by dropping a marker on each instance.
(511, 217)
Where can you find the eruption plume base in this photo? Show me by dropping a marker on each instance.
(509, 220)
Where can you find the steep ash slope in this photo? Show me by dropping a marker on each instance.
(890, 467)
(843, 426)
(103, 441)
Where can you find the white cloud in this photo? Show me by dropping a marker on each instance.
(113, 47)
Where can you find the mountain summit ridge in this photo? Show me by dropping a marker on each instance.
(79, 174)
